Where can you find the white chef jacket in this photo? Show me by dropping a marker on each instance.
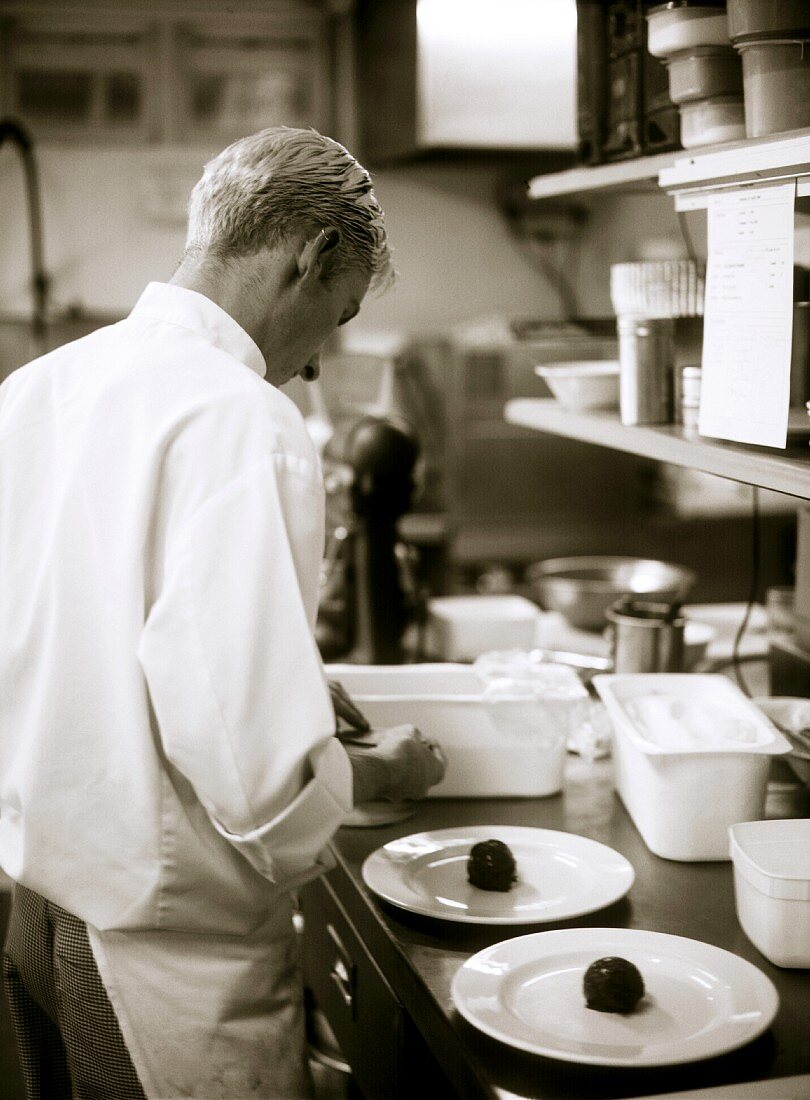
(167, 770)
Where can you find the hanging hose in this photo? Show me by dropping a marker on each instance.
(14, 132)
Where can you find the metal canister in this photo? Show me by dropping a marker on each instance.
(646, 362)
(646, 636)
(800, 355)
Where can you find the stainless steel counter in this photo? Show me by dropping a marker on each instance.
(418, 957)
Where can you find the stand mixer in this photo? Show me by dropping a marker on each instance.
(368, 592)
(382, 454)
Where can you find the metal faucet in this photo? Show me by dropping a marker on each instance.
(15, 133)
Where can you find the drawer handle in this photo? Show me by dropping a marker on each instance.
(343, 970)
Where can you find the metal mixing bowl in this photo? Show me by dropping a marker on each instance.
(583, 588)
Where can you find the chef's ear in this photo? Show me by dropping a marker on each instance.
(317, 255)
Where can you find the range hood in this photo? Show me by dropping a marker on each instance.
(451, 75)
(497, 73)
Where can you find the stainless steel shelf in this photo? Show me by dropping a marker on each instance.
(782, 472)
(640, 173)
(737, 163)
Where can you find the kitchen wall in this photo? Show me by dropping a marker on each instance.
(113, 219)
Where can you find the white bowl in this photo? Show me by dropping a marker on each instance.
(772, 887)
(791, 715)
(588, 384)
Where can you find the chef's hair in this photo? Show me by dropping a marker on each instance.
(266, 188)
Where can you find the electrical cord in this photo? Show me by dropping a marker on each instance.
(689, 244)
(736, 660)
(553, 274)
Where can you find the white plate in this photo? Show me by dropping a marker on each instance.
(560, 875)
(699, 1001)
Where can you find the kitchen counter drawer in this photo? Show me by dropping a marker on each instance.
(363, 1011)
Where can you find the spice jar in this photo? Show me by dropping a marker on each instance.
(688, 396)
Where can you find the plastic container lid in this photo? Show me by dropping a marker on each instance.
(583, 367)
(711, 101)
(673, 5)
(711, 697)
(774, 856)
(461, 609)
(691, 52)
(765, 43)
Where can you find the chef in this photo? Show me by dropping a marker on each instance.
(169, 773)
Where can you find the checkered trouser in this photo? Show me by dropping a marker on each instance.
(69, 1042)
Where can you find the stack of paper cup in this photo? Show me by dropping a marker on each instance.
(660, 288)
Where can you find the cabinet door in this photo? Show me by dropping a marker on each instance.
(232, 81)
(71, 79)
(348, 987)
(144, 72)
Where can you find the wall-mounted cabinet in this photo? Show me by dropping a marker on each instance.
(77, 78)
(231, 82)
(205, 72)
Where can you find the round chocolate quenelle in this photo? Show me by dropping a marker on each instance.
(491, 866)
(613, 984)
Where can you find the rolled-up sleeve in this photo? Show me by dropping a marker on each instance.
(234, 674)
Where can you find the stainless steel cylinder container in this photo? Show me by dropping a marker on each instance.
(646, 369)
(646, 636)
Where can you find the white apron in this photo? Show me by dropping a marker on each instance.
(208, 1016)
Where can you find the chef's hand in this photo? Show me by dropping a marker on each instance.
(401, 764)
(344, 708)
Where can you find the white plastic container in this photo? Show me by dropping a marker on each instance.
(488, 753)
(776, 80)
(712, 121)
(590, 384)
(791, 715)
(684, 792)
(767, 18)
(704, 72)
(676, 26)
(772, 887)
(461, 628)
